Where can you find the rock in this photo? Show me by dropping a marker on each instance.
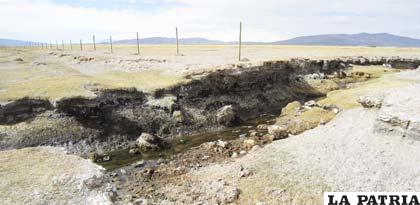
(123, 171)
(387, 65)
(242, 152)
(18, 60)
(242, 136)
(253, 134)
(278, 132)
(249, 144)
(268, 137)
(96, 157)
(229, 195)
(106, 158)
(93, 156)
(262, 127)
(148, 142)
(234, 155)
(336, 110)
(139, 164)
(178, 116)
(311, 103)
(134, 151)
(225, 115)
(245, 172)
(221, 143)
(370, 101)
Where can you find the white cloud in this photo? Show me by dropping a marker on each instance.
(266, 20)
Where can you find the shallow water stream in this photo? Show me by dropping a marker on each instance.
(121, 158)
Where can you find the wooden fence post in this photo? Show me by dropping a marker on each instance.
(177, 41)
(81, 45)
(62, 44)
(240, 40)
(138, 44)
(71, 45)
(110, 42)
(94, 43)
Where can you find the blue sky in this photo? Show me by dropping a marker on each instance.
(266, 20)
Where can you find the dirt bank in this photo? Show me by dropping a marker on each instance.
(354, 152)
(208, 102)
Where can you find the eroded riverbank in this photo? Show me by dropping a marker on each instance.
(209, 102)
(216, 103)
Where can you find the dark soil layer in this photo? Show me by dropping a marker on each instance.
(115, 118)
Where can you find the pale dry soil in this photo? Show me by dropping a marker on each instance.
(56, 73)
(343, 155)
(47, 175)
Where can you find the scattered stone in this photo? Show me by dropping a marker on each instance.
(229, 195)
(225, 115)
(242, 152)
(148, 142)
(336, 110)
(178, 116)
(370, 101)
(139, 164)
(242, 136)
(311, 103)
(249, 144)
(245, 172)
(262, 127)
(253, 134)
(268, 137)
(278, 132)
(234, 155)
(134, 151)
(221, 143)
(18, 60)
(387, 65)
(123, 171)
(96, 157)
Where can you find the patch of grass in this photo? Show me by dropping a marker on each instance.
(299, 122)
(32, 83)
(347, 99)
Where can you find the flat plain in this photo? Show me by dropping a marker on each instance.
(55, 73)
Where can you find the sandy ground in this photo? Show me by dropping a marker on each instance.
(59, 73)
(343, 155)
(46, 175)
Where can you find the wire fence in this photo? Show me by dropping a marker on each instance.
(108, 44)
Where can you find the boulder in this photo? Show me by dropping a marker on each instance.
(370, 101)
(148, 142)
(278, 132)
(226, 115)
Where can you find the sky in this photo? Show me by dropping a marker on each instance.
(263, 20)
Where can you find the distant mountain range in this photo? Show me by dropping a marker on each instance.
(361, 39)
(12, 42)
